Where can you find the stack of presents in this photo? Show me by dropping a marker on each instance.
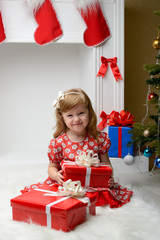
(65, 207)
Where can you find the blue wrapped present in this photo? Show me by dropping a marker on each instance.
(119, 137)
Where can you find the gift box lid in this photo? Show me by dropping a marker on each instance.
(38, 199)
(72, 167)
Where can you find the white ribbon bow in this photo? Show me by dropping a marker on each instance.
(88, 159)
(72, 189)
(57, 100)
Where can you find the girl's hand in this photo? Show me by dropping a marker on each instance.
(111, 182)
(55, 173)
(59, 177)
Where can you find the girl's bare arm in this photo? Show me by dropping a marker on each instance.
(55, 172)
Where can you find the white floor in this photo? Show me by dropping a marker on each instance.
(136, 220)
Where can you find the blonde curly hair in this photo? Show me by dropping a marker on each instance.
(72, 97)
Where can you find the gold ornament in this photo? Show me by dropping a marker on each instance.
(157, 87)
(156, 44)
(146, 133)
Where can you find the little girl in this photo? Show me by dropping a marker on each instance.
(76, 131)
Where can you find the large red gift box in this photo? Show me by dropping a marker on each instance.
(46, 208)
(89, 176)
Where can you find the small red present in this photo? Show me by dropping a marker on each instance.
(46, 208)
(89, 176)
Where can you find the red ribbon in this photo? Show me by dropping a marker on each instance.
(116, 119)
(121, 119)
(113, 64)
(120, 142)
(103, 123)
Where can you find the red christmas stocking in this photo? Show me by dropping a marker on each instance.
(97, 29)
(2, 34)
(49, 28)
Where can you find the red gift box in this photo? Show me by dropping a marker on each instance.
(89, 176)
(46, 208)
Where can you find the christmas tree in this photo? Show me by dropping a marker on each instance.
(146, 135)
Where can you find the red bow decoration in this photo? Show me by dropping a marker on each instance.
(116, 119)
(103, 123)
(113, 64)
(121, 119)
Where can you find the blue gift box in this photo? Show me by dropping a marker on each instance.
(119, 137)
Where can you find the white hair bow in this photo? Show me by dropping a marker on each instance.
(57, 100)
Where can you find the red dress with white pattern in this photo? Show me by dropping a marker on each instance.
(62, 148)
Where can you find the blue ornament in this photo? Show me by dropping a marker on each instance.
(148, 152)
(157, 162)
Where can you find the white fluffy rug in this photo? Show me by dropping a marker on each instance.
(136, 220)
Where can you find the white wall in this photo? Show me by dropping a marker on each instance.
(31, 77)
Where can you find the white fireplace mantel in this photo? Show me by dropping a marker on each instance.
(32, 75)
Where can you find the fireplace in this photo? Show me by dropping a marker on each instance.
(32, 75)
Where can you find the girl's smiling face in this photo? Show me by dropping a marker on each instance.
(77, 119)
